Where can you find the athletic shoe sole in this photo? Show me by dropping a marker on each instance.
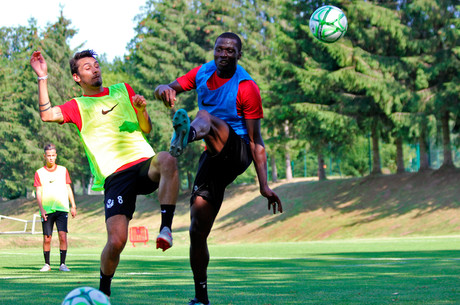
(45, 268)
(196, 302)
(164, 239)
(64, 268)
(181, 124)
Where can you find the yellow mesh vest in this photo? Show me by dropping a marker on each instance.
(110, 133)
(54, 189)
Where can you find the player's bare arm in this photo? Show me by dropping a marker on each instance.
(260, 163)
(167, 93)
(73, 208)
(140, 103)
(38, 192)
(48, 113)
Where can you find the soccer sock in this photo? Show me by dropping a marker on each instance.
(167, 215)
(105, 282)
(63, 256)
(191, 134)
(201, 290)
(46, 254)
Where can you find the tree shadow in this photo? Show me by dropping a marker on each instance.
(372, 197)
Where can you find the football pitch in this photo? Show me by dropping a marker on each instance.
(423, 270)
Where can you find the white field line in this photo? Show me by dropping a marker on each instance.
(381, 262)
(328, 258)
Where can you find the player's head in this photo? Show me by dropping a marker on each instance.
(85, 69)
(227, 52)
(233, 36)
(50, 154)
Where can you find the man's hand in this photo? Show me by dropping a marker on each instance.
(166, 94)
(73, 211)
(139, 102)
(273, 200)
(38, 64)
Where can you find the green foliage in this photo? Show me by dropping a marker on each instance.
(393, 59)
(21, 129)
(397, 68)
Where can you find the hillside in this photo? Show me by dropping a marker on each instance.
(411, 204)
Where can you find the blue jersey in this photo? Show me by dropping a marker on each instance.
(221, 102)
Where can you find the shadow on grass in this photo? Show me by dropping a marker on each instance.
(327, 278)
(373, 197)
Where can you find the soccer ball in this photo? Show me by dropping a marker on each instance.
(328, 23)
(86, 296)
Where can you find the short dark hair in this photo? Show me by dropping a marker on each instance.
(79, 55)
(231, 35)
(49, 146)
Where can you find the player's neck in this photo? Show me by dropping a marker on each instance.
(93, 90)
(225, 74)
(51, 167)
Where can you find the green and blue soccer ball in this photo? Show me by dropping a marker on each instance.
(328, 23)
(86, 296)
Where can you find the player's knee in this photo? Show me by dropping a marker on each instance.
(194, 233)
(202, 113)
(204, 116)
(117, 243)
(168, 164)
(198, 232)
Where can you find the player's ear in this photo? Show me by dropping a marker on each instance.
(76, 77)
(240, 53)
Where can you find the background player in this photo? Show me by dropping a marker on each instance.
(54, 193)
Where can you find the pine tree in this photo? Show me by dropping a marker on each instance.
(435, 64)
(18, 152)
(55, 46)
(21, 129)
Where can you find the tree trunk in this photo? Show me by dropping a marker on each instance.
(288, 166)
(190, 181)
(274, 169)
(376, 169)
(447, 150)
(399, 156)
(287, 154)
(424, 162)
(321, 171)
(90, 185)
(84, 186)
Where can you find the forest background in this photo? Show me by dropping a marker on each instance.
(383, 99)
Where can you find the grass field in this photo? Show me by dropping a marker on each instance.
(373, 240)
(359, 271)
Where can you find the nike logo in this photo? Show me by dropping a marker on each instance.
(104, 112)
(206, 104)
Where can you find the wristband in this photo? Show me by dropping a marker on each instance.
(42, 77)
(43, 110)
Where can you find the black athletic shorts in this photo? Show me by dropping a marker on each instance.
(215, 173)
(122, 188)
(58, 217)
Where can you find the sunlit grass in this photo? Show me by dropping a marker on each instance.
(366, 271)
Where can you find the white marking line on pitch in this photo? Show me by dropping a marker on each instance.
(331, 258)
